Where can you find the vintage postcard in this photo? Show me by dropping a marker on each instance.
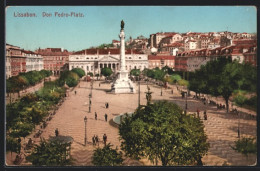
(131, 86)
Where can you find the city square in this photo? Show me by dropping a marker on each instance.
(173, 99)
(221, 128)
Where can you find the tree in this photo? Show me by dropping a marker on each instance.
(219, 78)
(79, 71)
(52, 153)
(12, 145)
(90, 74)
(135, 72)
(245, 146)
(107, 156)
(160, 131)
(106, 72)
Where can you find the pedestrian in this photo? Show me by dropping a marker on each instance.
(99, 84)
(75, 92)
(96, 140)
(198, 113)
(93, 140)
(205, 115)
(57, 132)
(106, 117)
(107, 105)
(105, 139)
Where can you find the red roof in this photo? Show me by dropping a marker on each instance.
(106, 51)
(153, 57)
(53, 52)
(116, 41)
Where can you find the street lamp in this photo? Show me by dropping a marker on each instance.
(186, 105)
(89, 103)
(85, 120)
(238, 126)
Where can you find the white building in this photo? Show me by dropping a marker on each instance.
(34, 61)
(93, 60)
(190, 45)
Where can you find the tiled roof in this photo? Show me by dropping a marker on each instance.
(106, 51)
(153, 57)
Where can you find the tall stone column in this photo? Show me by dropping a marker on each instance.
(122, 50)
(122, 83)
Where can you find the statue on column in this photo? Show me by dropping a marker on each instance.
(122, 25)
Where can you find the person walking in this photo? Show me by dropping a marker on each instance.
(75, 92)
(57, 132)
(96, 140)
(99, 84)
(107, 105)
(198, 113)
(205, 115)
(106, 117)
(95, 115)
(105, 139)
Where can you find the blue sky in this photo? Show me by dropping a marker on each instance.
(101, 24)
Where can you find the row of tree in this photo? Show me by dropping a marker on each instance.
(31, 109)
(17, 83)
(222, 77)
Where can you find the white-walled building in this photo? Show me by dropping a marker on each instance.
(93, 60)
(34, 61)
(190, 45)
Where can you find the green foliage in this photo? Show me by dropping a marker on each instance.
(106, 71)
(102, 46)
(159, 74)
(12, 144)
(245, 146)
(183, 82)
(135, 72)
(160, 131)
(23, 80)
(91, 74)
(175, 78)
(71, 78)
(79, 71)
(107, 156)
(240, 100)
(50, 154)
(21, 129)
(222, 77)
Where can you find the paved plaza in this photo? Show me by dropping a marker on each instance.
(221, 128)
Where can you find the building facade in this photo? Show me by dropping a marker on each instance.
(193, 59)
(34, 61)
(93, 60)
(55, 59)
(161, 61)
(20, 60)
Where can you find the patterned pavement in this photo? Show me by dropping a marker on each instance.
(221, 128)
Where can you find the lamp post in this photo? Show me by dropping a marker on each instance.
(186, 105)
(238, 125)
(89, 103)
(85, 120)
